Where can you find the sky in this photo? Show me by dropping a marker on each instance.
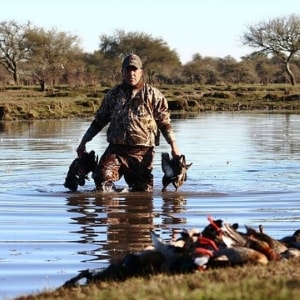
(206, 27)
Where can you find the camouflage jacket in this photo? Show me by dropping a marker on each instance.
(134, 119)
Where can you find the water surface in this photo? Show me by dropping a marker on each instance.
(245, 170)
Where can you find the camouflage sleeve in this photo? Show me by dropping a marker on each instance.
(168, 134)
(102, 118)
(92, 131)
(162, 116)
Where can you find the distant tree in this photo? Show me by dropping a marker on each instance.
(158, 58)
(278, 37)
(245, 72)
(192, 71)
(107, 66)
(51, 52)
(93, 66)
(201, 70)
(13, 47)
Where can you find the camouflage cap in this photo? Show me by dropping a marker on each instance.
(132, 60)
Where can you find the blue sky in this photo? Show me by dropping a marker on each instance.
(208, 27)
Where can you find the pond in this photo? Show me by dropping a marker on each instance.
(245, 170)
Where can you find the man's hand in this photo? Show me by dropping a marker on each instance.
(174, 150)
(81, 149)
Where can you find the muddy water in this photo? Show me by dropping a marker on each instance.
(245, 170)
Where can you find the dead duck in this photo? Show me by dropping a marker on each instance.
(218, 245)
(274, 244)
(292, 241)
(183, 254)
(175, 170)
(253, 239)
(236, 256)
(180, 254)
(79, 170)
(232, 247)
(142, 263)
(226, 236)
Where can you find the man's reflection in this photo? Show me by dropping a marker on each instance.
(173, 210)
(119, 224)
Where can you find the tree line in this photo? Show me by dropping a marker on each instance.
(31, 55)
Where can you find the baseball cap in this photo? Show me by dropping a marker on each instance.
(132, 60)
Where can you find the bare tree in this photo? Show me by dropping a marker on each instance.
(13, 47)
(278, 37)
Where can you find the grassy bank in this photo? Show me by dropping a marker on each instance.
(278, 280)
(62, 102)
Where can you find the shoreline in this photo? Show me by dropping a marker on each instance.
(30, 104)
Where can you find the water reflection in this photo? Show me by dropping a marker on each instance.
(122, 224)
(119, 224)
(173, 209)
(277, 134)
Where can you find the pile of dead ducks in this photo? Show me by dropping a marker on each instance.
(219, 244)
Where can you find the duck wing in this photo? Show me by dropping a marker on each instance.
(166, 165)
(237, 256)
(231, 237)
(274, 244)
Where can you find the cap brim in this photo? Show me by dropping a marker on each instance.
(133, 65)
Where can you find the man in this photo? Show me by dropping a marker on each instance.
(137, 113)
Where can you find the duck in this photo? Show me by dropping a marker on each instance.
(175, 170)
(219, 244)
(178, 254)
(79, 169)
(142, 263)
(276, 245)
(292, 241)
(253, 239)
(233, 245)
(238, 255)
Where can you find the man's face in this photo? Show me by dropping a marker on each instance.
(132, 75)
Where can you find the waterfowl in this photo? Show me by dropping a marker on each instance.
(213, 230)
(175, 170)
(219, 244)
(175, 255)
(254, 240)
(234, 248)
(292, 241)
(79, 170)
(274, 244)
(227, 237)
(290, 253)
(190, 242)
(133, 264)
(237, 256)
(231, 237)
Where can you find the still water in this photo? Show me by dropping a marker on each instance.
(245, 170)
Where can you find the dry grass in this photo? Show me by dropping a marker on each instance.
(278, 280)
(28, 103)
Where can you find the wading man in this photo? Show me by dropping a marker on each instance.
(136, 113)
